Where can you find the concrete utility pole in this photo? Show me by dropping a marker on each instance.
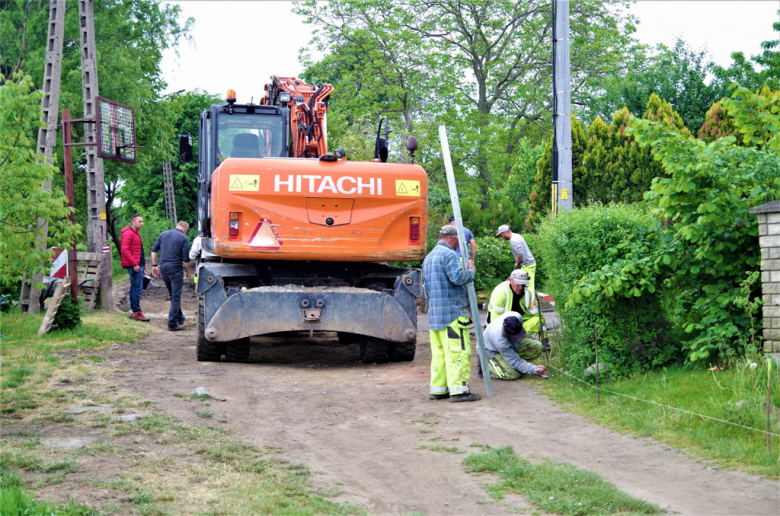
(47, 137)
(97, 234)
(170, 202)
(562, 186)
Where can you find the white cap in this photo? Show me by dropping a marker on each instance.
(501, 229)
(520, 277)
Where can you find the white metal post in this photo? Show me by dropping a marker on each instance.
(464, 252)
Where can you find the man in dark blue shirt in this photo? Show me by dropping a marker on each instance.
(174, 246)
(470, 242)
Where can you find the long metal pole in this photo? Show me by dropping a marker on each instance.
(73, 262)
(464, 252)
(768, 405)
(596, 338)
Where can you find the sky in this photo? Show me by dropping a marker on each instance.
(240, 44)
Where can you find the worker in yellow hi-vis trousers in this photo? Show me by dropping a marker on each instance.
(444, 278)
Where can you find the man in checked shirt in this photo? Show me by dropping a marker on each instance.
(444, 280)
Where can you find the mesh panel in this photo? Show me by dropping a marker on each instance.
(117, 131)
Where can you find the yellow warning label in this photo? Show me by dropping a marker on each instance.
(407, 188)
(564, 193)
(244, 183)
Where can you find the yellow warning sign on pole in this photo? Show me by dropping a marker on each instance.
(407, 188)
(244, 183)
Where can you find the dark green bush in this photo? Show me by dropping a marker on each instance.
(494, 263)
(68, 315)
(633, 335)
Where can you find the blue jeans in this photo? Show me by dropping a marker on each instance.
(136, 287)
(173, 276)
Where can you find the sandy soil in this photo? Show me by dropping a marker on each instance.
(358, 426)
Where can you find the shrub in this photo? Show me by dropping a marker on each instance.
(68, 314)
(633, 335)
(494, 263)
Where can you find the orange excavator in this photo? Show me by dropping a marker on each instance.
(298, 239)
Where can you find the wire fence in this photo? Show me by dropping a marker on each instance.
(763, 431)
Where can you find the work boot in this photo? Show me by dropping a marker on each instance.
(139, 316)
(439, 396)
(471, 396)
(175, 328)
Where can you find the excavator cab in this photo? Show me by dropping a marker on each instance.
(250, 135)
(232, 130)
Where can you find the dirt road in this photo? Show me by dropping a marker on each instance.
(360, 427)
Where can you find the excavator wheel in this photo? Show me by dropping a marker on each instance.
(207, 351)
(238, 350)
(373, 351)
(402, 351)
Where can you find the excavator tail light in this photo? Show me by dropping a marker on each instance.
(414, 230)
(231, 96)
(235, 224)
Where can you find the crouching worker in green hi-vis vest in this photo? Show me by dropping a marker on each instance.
(448, 307)
(513, 295)
(509, 350)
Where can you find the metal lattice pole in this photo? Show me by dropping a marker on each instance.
(47, 137)
(97, 234)
(170, 202)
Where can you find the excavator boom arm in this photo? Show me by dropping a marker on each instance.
(308, 106)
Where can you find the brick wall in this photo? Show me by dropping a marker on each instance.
(769, 240)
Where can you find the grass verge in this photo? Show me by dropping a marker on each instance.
(554, 487)
(737, 395)
(59, 388)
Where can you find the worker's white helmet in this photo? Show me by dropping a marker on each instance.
(520, 277)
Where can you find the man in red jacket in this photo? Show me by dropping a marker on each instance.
(132, 253)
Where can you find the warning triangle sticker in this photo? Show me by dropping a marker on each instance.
(265, 237)
(402, 189)
(236, 184)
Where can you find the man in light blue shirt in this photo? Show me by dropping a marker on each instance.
(523, 257)
(510, 350)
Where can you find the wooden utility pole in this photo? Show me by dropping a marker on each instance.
(47, 136)
(97, 234)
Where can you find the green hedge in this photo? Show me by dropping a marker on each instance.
(633, 335)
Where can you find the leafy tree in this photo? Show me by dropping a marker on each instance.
(754, 73)
(130, 38)
(23, 204)
(709, 246)
(607, 164)
(717, 124)
(144, 193)
(482, 68)
(677, 75)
